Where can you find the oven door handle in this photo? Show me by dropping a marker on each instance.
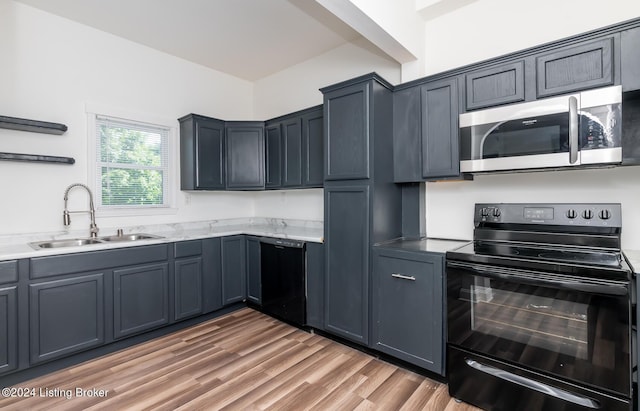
(534, 385)
(526, 278)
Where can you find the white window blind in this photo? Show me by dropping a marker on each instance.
(131, 164)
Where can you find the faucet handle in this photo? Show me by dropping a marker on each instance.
(119, 232)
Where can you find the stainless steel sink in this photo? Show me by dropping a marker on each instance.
(77, 242)
(73, 242)
(130, 237)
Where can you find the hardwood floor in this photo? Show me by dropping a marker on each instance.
(242, 361)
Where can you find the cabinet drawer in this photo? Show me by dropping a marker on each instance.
(568, 69)
(187, 248)
(496, 85)
(8, 271)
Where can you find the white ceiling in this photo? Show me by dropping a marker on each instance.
(249, 39)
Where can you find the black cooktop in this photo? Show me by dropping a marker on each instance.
(552, 258)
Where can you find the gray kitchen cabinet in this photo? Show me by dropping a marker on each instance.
(362, 205)
(576, 67)
(346, 311)
(407, 307)
(630, 59)
(245, 155)
(292, 152)
(211, 274)
(66, 316)
(8, 329)
(234, 269)
(315, 285)
(140, 298)
(440, 141)
(347, 133)
(202, 154)
(495, 85)
(187, 279)
(254, 285)
(425, 135)
(312, 148)
(273, 152)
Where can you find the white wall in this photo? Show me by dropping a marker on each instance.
(297, 88)
(50, 68)
(489, 28)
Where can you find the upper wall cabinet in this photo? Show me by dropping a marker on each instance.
(294, 153)
(578, 67)
(630, 59)
(347, 144)
(202, 165)
(245, 155)
(273, 152)
(496, 85)
(425, 121)
(312, 148)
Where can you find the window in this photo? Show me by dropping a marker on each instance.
(131, 164)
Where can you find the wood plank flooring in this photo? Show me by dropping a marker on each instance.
(242, 361)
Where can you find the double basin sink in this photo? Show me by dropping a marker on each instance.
(76, 242)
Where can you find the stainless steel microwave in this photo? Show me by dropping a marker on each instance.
(566, 131)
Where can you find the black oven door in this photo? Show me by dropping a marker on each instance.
(563, 326)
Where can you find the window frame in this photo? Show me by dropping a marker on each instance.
(94, 111)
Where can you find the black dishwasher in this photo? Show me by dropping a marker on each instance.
(283, 277)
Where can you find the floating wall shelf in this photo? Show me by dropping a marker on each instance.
(36, 158)
(23, 124)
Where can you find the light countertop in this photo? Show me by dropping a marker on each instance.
(17, 246)
(431, 245)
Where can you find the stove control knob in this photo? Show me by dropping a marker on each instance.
(587, 214)
(571, 213)
(604, 214)
(496, 212)
(484, 212)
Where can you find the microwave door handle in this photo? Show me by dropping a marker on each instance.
(573, 130)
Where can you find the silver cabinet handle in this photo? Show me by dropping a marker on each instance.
(573, 130)
(403, 277)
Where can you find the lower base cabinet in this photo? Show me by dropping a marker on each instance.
(8, 329)
(188, 287)
(254, 280)
(66, 316)
(140, 299)
(234, 269)
(407, 311)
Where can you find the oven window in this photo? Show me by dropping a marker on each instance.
(577, 335)
(549, 323)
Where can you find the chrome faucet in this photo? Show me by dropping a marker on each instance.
(66, 217)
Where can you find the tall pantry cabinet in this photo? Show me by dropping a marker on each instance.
(362, 205)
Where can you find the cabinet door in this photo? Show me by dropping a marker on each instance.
(347, 133)
(201, 153)
(292, 150)
(315, 285)
(188, 287)
(573, 68)
(407, 307)
(496, 85)
(65, 316)
(273, 149)
(630, 59)
(245, 156)
(234, 269)
(140, 299)
(347, 262)
(254, 286)
(407, 136)
(312, 149)
(440, 156)
(211, 274)
(8, 329)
